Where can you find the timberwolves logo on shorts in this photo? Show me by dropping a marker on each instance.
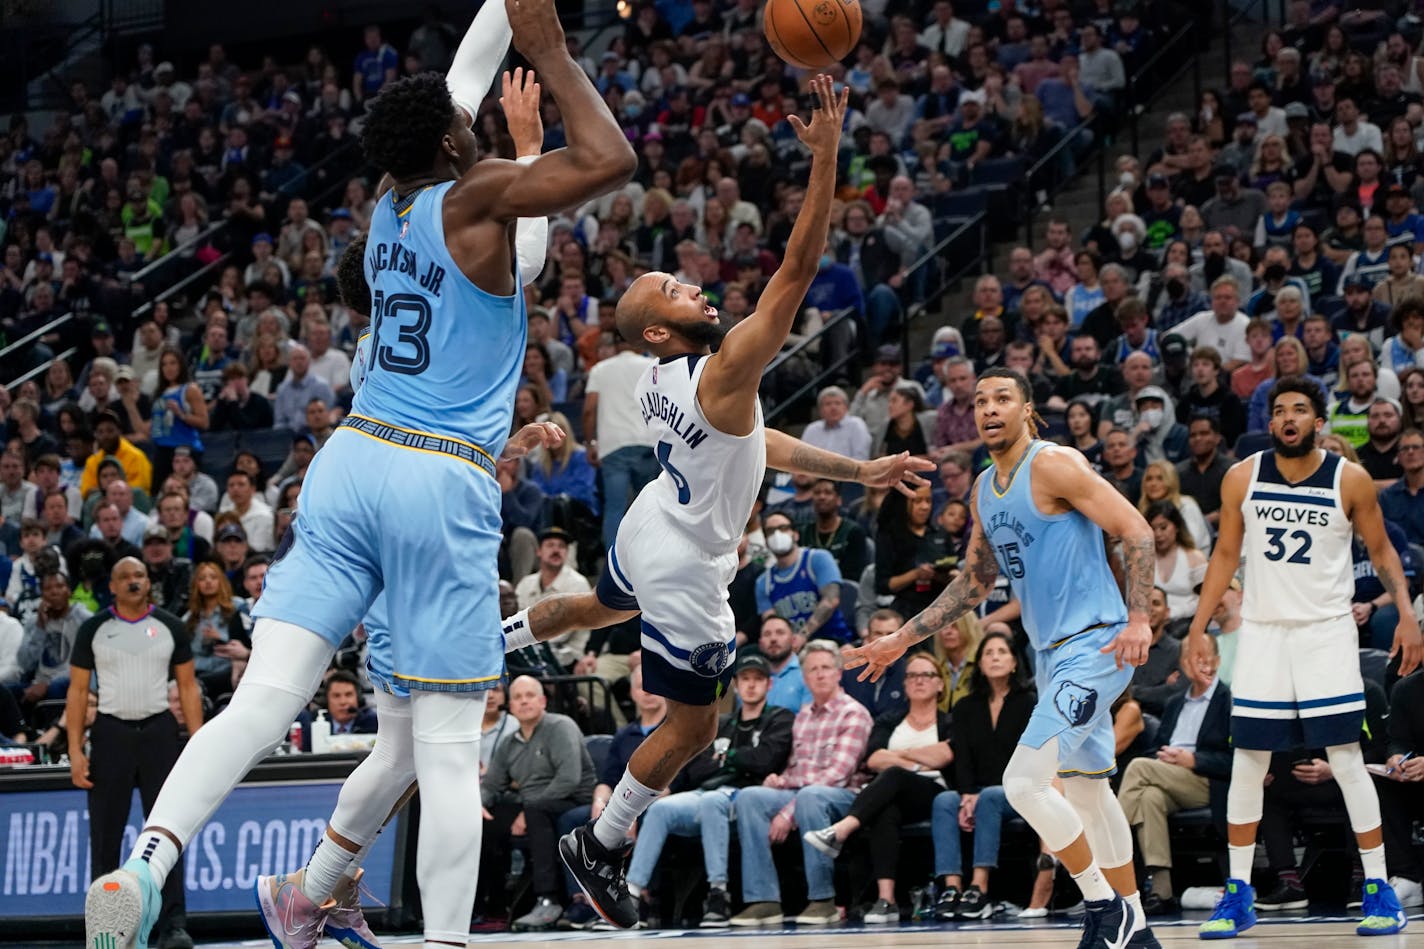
(709, 659)
(1076, 703)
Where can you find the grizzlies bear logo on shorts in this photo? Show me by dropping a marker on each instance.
(1076, 703)
(710, 659)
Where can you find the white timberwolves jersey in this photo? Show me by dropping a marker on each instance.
(1297, 538)
(709, 479)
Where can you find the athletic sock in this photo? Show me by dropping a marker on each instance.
(630, 799)
(328, 864)
(1139, 921)
(1373, 862)
(354, 870)
(1289, 877)
(1093, 884)
(158, 852)
(1240, 860)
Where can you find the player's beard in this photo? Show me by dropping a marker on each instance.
(704, 333)
(1306, 446)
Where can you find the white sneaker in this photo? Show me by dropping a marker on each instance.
(1409, 893)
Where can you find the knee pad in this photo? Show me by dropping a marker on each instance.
(1244, 799)
(1028, 787)
(377, 785)
(1356, 786)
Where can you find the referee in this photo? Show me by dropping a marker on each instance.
(130, 650)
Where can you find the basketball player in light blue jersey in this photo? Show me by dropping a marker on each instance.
(1294, 511)
(1039, 514)
(403, 496)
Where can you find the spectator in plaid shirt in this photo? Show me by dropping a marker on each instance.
(829, 738)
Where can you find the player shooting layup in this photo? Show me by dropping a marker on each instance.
(1294, 510)
(676, 549)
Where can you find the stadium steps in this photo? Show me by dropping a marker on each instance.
(1079, 200)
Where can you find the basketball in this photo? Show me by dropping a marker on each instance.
(812, 34)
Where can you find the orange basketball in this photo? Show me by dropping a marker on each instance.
(812, 34)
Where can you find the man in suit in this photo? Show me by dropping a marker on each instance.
(1190, 769)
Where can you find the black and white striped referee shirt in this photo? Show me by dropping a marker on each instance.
(132, 659)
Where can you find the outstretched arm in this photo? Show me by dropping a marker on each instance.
(753, 343)
(597, 158)
(556, 615)
(484, 47)
(519, 95)
(786, 453)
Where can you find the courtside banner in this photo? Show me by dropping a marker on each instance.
(260, 829)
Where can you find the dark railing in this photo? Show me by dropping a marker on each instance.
(29, 338)
(1033, 200)
(1156, 85)
(840, 322)
(42, 368)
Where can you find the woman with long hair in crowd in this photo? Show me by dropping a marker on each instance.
(565, 469)
(1401, 154)
(1271, 164)
(910, 552)
(530, 405)
(986, 727)
(1329, 59)
(1160, 483)
(58, 387)
(1179, 563)
(267, 366)
(540, 373)
(1081, 417)
(180, 414)
(1411, 396)
(217, 627)
(906, 429)
(1210, 119)
(955, 646)
(910, 754)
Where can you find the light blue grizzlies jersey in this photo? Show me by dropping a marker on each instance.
(445, 356)
(1057, 564)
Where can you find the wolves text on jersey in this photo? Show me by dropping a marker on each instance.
(392, 256)
(657, 406)
(1285, 515)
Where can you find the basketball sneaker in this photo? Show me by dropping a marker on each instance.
(344, 920)
(1235, 912)
(601, 874)
(1107, 924)
(1383, 914)
(291, 919)
(121, 908)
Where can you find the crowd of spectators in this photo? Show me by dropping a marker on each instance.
(1272, 232)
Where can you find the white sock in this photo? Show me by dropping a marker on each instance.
(517, 632)
(354, 870)
(1240, 860)
(1093, 884)
(1139, 920)
(158, 852)
(1373, 862)
(630, 799)
(328, 864)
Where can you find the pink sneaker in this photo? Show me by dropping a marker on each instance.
(292, 920)
(345, 922)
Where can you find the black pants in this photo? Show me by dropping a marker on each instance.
(1285, 797)
(896, 797)
(125, 755)
(1400, 805)
(541, 837)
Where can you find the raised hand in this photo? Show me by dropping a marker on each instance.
(895, 471)
(532, 436)
(823, 135)
(536, 27)
(519, 97)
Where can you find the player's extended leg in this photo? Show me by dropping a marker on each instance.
(1244, 802)
(1028, 785)
(556, 615)
(286, 666)
(446, 727)
(1110, 839)
(597, 855)
(370, 796)
(1383, 914)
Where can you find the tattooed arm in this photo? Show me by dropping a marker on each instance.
(1364, 511)
(1062, 480)
(825, 608)
(785, 453)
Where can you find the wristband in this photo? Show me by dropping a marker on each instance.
(517, 632)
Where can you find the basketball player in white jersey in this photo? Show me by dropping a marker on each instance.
(675, 552)
(1293, 511)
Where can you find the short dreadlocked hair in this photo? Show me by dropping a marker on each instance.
(351, 277)
(405, 123)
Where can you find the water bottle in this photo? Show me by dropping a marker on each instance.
(294, 739)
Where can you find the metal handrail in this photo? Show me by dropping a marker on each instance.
(43, 367)
(174, 252)
(805, 341)
(31, 337)
(1159, 87)
(181, 285)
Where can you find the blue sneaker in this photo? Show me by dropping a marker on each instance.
(1383, 914)
(1235, 912)
(1107, 924)
(121, 908)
